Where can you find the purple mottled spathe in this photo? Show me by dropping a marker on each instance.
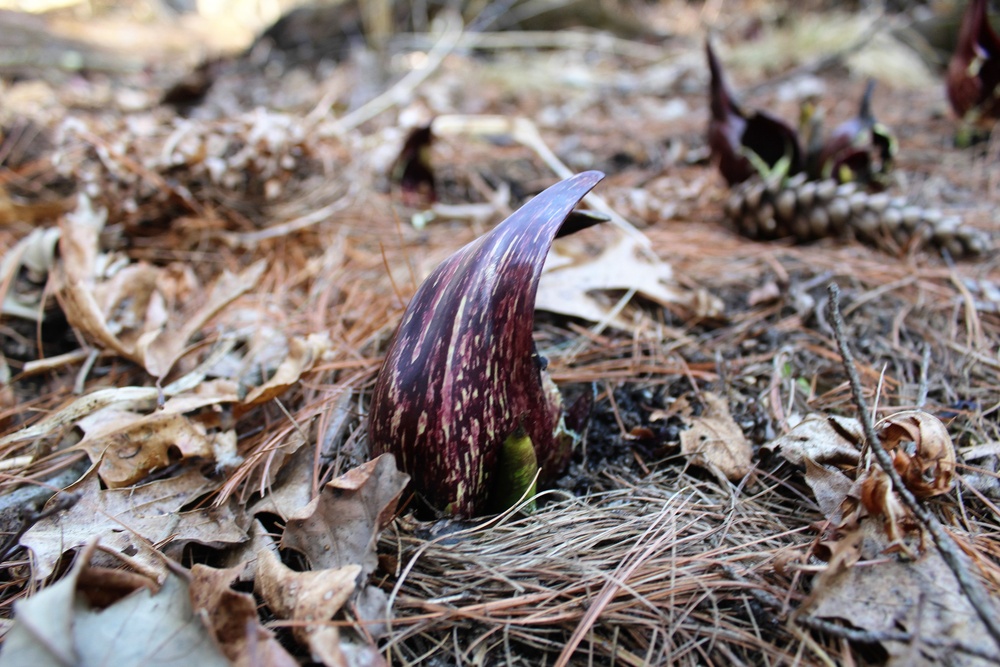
(973, 83)
(732, 131)
(460, 373)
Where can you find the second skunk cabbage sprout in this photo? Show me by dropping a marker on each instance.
(859, 150)
(462, 399)
(746, 144)
(973, 83)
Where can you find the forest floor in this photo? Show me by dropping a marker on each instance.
(197, 301)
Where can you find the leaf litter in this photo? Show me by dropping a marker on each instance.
(222, 284)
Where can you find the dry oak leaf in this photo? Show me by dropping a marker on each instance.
(310, 599)
(716, 442)
(139, 311)
(821, 439)
(893, 593)
(571, 279)
(232, 619)
(831, 488)
(129, 520)
(303, 353)
(290, 488)
(60, 625)
(127, 446)
(341, 525)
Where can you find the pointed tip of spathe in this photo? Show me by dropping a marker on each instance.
(592, 177)
(865, 108)
(721, 98)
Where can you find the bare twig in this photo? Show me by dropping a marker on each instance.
(925, 364)
(950, 552)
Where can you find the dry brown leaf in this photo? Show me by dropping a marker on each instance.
(769, 292)
(232, 619)
(831, 488)
(160, 352)
(128, 446)
(572, 277)
(137, 310)
(715, 441)
(88, 290)
(898, 594)
(244, 556)
(921, 449)
(303, 353)
(311, 599)
(341, 526)
(822, 439)
(64, 625)
(129, 520)
(291, 488)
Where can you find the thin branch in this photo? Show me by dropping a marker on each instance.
(950, 551)
(925, 365)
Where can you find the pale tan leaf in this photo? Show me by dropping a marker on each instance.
(895, 593)
(309, 598)
(822, 439)
(830, 488)
(121, 397)
(161, 351)
(58, 626)
(291, 488)
(303, 353)
(128, 446)
(35, 253)
(573, 277)
(715, 441)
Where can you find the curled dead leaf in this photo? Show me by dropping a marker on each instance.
(922, 451)
(64, 624)
(303, 353)
(874, 491)
(130, 520)
(139, 311)
(574, 277)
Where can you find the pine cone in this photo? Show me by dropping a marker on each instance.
(808, 210)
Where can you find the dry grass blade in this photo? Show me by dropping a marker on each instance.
(645, 559)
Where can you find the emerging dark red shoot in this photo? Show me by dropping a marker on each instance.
(858, 150)
(745, 144)
(462, 381)
(973, 83)
(412, 171)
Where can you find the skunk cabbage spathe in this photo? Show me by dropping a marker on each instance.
(461, 378)
(973, 82)
(735, 136)
(859, 150)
